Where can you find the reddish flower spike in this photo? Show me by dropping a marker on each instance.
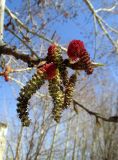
(75, 49)
(49, 70)
(51, 49)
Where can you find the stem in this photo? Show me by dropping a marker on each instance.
(2, 7)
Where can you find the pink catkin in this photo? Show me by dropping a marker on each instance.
(75, 49)
(49, 70)
(51, 49)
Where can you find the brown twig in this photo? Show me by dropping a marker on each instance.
(97, 115)
(31, 61)
(12, 51)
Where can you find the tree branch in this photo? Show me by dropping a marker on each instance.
(97, 115)
(100, 21)
(31, 61)
(13, 16)
(12, 51)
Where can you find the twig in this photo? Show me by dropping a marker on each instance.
(95, 26)
(106, 9)
(97, 115)
(50, 156)
(18, 144)
(98, 18)
(11, 50)
(67, 137)
(20, 39)
(8, 50)
(28, 30)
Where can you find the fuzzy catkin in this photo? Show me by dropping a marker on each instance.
(25, 94)
(76, 49)
(57, 96)
(55, 56)
(85, 59)
(69, 90)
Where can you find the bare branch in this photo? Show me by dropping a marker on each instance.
(7, 50)
(107, 9)
(10, 50)
(20, 39)
(30, 31)
(97, 115)
(98, 18)
(18, 144)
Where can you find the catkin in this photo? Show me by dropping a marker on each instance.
(57, 96)
(69, 90)
(55, 56)
(25, 94)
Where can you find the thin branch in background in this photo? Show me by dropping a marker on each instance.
(29, 10)
(11, 151)
(45, 126)
(67, 139)
(31, 142)
(30, 31)
(23, 42)
(18, 144)
(11, 50)
(51, 154)
(75, 143)
(98, 18)
(97, 115)
(112, 29)
(95, 26)
(107, 9)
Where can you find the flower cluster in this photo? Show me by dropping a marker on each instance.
(76, 50)
(61, 87)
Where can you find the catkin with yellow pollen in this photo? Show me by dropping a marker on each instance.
(57, 96)
(58, 82)
(55, 56)
(25, 94)
(69, 90)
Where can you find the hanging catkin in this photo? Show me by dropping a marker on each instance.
(55, 56)
(25, 94)
(69, 90)
(57, 96)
